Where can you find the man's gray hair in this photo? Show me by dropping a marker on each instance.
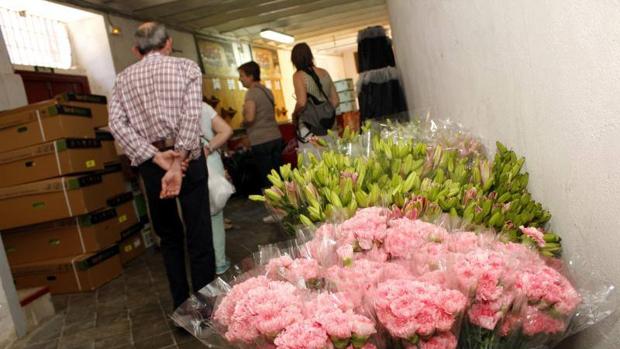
(150, 36)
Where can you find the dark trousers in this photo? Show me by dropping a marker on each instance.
(194, 198)
(268, 156)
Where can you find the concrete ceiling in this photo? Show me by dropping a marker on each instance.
(326, 22)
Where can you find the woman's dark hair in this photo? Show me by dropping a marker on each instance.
(251, 69)
(302, 56)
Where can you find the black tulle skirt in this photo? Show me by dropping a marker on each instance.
(382, 100)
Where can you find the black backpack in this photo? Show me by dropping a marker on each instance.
(317, 116)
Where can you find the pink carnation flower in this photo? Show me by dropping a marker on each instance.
(535, 234)
(543, 284)
(445, 340)
(361, 326)
(537, 321)
(303, 335)
(224, 311)
(407, 307)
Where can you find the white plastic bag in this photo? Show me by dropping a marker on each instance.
(220, 189)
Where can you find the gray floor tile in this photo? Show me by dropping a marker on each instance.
(160, 341)
(144, 330)
(77, 327)
(46, 345)
(49, 330)
(113, 342)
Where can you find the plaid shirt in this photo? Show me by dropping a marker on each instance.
(159, 97)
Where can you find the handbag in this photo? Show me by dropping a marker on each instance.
(318, 116)
(220, 189)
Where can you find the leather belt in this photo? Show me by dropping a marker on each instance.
(164, 144)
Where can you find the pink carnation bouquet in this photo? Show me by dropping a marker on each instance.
(418, 314)
(381, 280)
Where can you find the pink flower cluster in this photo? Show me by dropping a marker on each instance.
(296, 271)
(550, 299)
(260, 311)
(482, 273)
(411, 309)
(415, 279)
(257, 308)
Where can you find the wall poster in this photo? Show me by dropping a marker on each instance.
(268, 61)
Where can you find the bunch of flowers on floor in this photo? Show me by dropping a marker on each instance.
(419, 177)
(380, 280)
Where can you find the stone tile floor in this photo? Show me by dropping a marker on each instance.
(133, 310)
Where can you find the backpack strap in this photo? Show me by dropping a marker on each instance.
(317, 81)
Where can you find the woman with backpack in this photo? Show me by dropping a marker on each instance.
(317, 98)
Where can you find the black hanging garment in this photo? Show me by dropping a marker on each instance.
(379, 88)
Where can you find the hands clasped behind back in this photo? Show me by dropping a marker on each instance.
(175, 166)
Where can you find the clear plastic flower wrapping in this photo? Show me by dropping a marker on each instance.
(357, 272)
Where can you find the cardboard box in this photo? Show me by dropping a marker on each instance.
(28, 113)
(62, 122)
(125, 212)
(67, 237)
(97, 104)
(109, 149)
(49, 160)
(132, 245)
(114, 180)
(70, 274)
(51, 199)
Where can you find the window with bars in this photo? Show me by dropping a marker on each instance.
(34, 40)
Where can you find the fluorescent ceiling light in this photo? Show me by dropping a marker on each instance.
(277, 36)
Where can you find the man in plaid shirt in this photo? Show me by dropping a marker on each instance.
(155, 116)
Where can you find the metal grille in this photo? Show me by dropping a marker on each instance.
(34, 40)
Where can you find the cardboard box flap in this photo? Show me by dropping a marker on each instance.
(120, 199)
(104, 136)
(84, 98)
(131, 230)
(49, 148)
(50, 186)
(76, 263)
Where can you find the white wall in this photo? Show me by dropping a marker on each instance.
(348, 60)
(12, 95)
(334, 64)
(89, 41)
(121, 44)
(544, 78)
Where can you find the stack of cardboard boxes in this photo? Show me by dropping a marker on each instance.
(67, 211)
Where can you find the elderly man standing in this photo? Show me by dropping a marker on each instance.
(155, 116)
